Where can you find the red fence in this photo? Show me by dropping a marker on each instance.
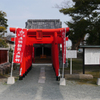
(3, 56)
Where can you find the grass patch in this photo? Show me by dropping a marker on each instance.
(77, 66)
(2, 76)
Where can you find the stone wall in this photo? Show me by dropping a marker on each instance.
(43, 24)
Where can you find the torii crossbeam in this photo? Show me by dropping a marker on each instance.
(24, 40)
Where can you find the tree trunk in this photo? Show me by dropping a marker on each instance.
(73, 46)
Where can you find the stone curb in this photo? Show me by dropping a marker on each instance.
(78, 76)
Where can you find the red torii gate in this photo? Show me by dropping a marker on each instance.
(25, 38)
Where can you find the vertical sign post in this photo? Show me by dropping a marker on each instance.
(98, 80)
(20, 40)
(71, 54)
(70, 65)
(62, 80)
(11, 80)
(63, 49)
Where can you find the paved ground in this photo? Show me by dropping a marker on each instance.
(30, 89)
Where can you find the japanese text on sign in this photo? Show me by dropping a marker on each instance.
(19, 45)
(64, 46)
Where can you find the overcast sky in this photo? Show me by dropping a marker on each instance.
(19, 11)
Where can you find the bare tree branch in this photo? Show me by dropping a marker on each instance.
(64, 4)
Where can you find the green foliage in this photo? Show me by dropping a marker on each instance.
(94, 35)
(3, 27)
(85, 19)
(3, 43)
(3, 20)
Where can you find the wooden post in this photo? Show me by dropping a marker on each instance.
(70, 65)
(83, 62)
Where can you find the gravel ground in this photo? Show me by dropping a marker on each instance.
(30, 89)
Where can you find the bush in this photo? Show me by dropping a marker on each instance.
(10, 55)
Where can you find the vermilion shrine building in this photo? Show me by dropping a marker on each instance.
(39, 42)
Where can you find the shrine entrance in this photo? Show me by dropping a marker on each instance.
(41, 44)
(42, 53)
